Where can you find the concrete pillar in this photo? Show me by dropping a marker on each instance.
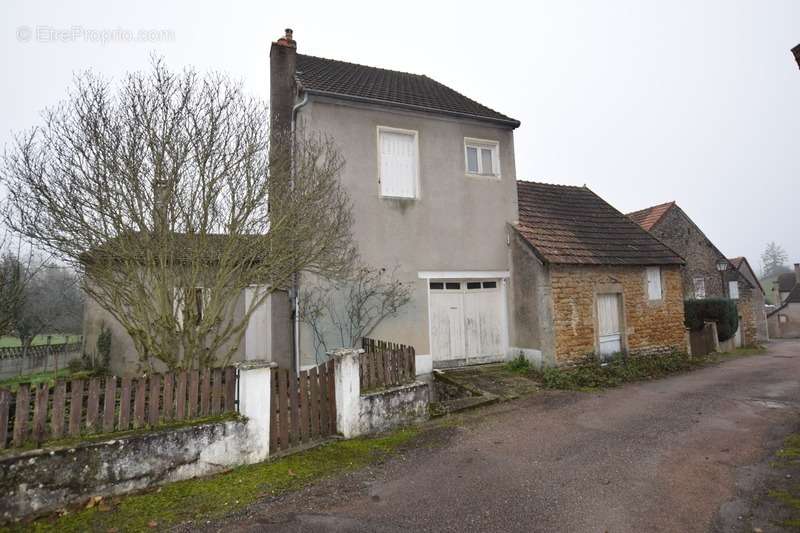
(348, 390)
(254, 404)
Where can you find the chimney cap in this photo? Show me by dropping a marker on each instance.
(287, 39)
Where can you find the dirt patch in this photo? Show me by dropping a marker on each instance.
(768, 492)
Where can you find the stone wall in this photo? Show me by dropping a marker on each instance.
(748, 305)
(678, 232)
(44, 480)
(650, 327)
(390, 408)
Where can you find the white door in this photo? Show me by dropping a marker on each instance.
(738, 335)
(466, 319)
(256, 336)
(608, 321)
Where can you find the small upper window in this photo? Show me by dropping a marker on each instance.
(397, 162)
(654, 283)
(482, 157)
(733, 290)
(190, 304)
(699, 288)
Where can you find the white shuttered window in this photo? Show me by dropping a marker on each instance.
(699, 288)
(398, 163)
(733, 290)
(654, 283)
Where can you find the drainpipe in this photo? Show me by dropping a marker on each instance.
(296, 275)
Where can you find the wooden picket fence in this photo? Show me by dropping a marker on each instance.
(303, 407)
(386, 364)
(40, 412)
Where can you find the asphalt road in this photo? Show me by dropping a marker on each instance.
(655, 456)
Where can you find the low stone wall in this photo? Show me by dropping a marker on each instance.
(44, 480)
(390, 408)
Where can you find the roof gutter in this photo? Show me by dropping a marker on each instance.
(505, 122)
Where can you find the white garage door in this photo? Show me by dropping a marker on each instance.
(466, 319)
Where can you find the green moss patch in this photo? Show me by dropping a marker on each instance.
(215, 496)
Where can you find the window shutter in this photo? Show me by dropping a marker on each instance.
(699, 288)
(733, 290)
(654, 283)
(398, 164)
(177, 306)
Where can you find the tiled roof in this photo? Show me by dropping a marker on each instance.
(388, 87)
(794, 295)
(787, 281)
(647, 218)
(736, 261)
(748, 273)
(572, 225)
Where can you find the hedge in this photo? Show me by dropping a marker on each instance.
(719, 310)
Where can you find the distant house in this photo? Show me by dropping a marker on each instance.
(701, 275)
(783, 286)
(587, 281)
(784, 320)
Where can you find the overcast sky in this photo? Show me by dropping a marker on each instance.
(644, 102)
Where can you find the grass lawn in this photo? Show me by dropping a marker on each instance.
(213, 497)
(13, 342)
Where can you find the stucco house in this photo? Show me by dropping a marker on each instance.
(431, 178)
(587, 281)
(702, 277)
(784, 320)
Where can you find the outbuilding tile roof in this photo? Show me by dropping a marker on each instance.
(748, 274)
(573, 225)
(647, 218)
(787, 281)
(376, 85)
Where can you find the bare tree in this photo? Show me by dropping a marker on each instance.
(773, 260)
(18, 267)
(346, 310)
(167, 196)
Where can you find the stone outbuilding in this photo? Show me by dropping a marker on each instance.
(744, 287)
(701, 275)
(588, 282)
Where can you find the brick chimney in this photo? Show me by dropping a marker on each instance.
(796, 52)
(282, 64)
